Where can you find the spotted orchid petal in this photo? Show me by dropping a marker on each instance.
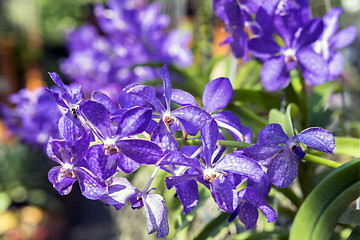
(188, 194)
(209, 135)
(283, 169)
(165, 75)
(252, 196)
(148, 94)
(63, 184)
(141, 151)
(317, 138)
(90, 187)
(156, 215)
(134, 121)
(240, 164)
(224, 194)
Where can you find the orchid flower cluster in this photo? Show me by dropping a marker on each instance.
(127, 33)
(284, 36)
(102, 57)
(100, 138)
(34, 117)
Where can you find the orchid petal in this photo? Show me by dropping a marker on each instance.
(263, 48)
(127, 165)
(97, 115)
(188, 194)
(283, 169)
(182, 98)
(192, 114)
(274, 75)
(163, 138)
(263, 153)
(90, 187)
(248, 215)
(224, 194)
(104, 100)
(209, 134)
(63, 186)
(177, 158)
(148, 94)
(317, 138)
(344, 37)
(272, 134)
(164, 72)
(217, 94)
(313, 66)
(310, 33)
(156, 215)
(252, 196)
(240, 164)
(134, 121)
(141, 151)
(175, 180)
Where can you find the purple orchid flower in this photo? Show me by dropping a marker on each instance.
(279, 61)
(280, 154)
(249, 202)
(184, 118)
(297, 14)
(214, 173)
(126, 35)
(216, 96)
(122, 191)
(68, 152)
(69, 99)
(34, 118)
(238, 22)
(115, 131)
(331, 40)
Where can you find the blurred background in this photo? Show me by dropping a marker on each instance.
(33, 42)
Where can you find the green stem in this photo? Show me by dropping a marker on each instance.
(291, 196)
(319, 160)
(225, 143)
(305, 104)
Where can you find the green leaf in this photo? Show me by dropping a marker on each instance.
(248, 75)
(213, 227)
(247, 117)
(348, 146)
(262, 99)
(276, 235)
(319, 214)
(350, 217)
(355, 234)
(319, 114)
(284, 119)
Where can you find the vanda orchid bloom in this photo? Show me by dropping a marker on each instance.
(280, 154)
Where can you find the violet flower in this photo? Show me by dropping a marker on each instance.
(279, 61)
(216, 96)
(331, 40)
(214, 173)
(34, 118)
(122, 191)
(238, 23)
(280, 154)
(126, 35)
(297, 14)
(184, 118)
(115, 131)
(249, 202)
(68, 152)
(70, 98)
